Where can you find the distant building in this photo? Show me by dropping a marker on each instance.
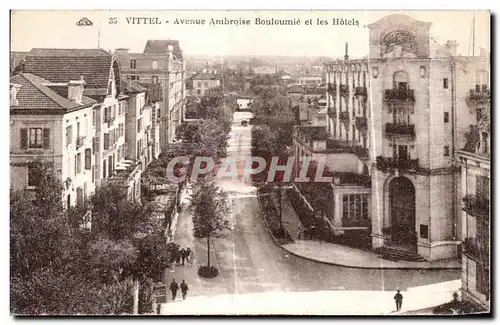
(243, 103)
(204, 81)
(309, 80)
(265, 70)
(161, 63)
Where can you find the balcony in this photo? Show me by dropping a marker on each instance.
(332, 113)
(344, 90)
(400, 129)
(361, 123)
(344, 116)
(480, 95)
(477, 250)
(343, 146)
(360, 92)
(80, 141)
(332, 89)
(110, 122)
(385, 163)
(399, 95)
(475, 206)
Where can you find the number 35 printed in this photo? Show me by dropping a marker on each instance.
(113, 20)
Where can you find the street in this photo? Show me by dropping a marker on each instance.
(250, 262)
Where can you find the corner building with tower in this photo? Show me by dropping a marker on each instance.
(401, 114)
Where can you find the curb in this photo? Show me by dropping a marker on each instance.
(347, 265)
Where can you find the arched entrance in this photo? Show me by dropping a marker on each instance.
(402, 213)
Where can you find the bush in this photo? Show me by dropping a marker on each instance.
(208, 271)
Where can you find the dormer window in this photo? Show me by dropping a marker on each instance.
(132, 64)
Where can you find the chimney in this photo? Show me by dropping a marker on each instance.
(14, 89)
(170, 50)
(346, 56)
(75, 90)
(452, 47)
(122, 50)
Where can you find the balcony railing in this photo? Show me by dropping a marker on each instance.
(361, 123)
(475, 206)
(399, 95)
(385, 163)
(360, 91)
(332, 89)
(110, 121)
(400, 129)
(351, 179)
(332, 113)
(344, 90)
(480, 96)
(344, 116)
(342, 146)
(80, 141)
(477, 250)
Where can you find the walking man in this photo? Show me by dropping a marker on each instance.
(188, 255)
(184, 289)
(174, 287)
(183, 255)
(178, 256)
(398, 297)
(299, 230)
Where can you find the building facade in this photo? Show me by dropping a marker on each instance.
(51, 124)
(398, 117)
(204, 81)
(474, 159)
(161, 63)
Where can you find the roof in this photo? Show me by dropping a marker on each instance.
(62, 65)
(16, 58)
(205, 76)
(132, 86)
(34, 94)
(161, 47)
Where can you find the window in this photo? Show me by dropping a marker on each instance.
(199, 84)
(77, 133)
(106, 141)
(446, 117)
(93, 119)
(88, 159)
(155, 79)
(446, 151)
(133, 64)
(139, 125)
(154, 64)
(78, 163)
(104, 169)
(198, 91)
(69, 134)
(34, 174)
(445, 83)
(35, 138)
(79, 196)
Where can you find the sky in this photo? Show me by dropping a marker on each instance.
(58, 29)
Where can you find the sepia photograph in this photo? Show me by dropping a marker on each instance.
(250, 163)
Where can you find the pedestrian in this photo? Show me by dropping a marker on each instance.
(174, 287)
(188, 255)
(178, 257)
(398, 297)
(182, 254)
(299, 230)
(184, 289)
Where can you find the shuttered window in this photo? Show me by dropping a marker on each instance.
(88, 159)
(106, 141)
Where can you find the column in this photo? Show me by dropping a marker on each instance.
(337, 213)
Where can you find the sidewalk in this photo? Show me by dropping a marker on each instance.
(342, 255)
(343, 302)
(198, 286)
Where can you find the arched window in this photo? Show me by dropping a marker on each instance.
(482, 80)
(400, 80)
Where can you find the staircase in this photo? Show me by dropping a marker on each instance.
(393, 254)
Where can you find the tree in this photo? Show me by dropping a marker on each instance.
(210, 205)
(117, 218)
